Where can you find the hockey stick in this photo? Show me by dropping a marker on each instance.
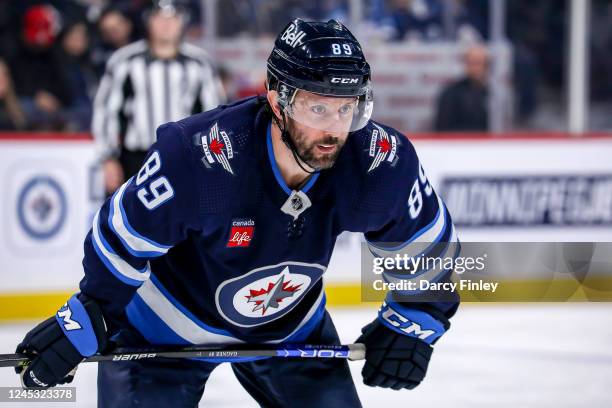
(354, 351)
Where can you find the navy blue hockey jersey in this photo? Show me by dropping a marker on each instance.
(195, 249)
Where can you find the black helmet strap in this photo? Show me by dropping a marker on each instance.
(286, 138)
(286, 95)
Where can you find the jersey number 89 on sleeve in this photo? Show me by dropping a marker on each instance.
(158, 190)
(415, 199)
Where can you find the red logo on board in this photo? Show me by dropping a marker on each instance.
(241, 233)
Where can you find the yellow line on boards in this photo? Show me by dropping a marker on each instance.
(18, 306)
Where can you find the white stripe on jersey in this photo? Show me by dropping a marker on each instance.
(134, 242)
(118, 264)
(177, 321)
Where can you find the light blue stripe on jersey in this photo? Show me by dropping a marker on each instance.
(164, 309)
(136, 244)
(276, 171)
(125, 272)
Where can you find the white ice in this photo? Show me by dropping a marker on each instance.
(545, 355)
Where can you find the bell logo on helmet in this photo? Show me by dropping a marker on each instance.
(292, 36)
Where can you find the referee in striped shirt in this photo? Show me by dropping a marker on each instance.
(146, 84)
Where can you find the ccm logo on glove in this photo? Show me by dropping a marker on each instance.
(66, 314)
(411, 322)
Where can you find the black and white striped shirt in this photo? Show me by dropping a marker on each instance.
(139, 92)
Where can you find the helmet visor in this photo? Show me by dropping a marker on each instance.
(338, 114)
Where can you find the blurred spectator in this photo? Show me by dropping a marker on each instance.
(80, 74)
(146, 84)
(537, 40)
(462, 106)
(11, 116)
(417, 19)
(115, 30)
(402, 20)
(38, 71)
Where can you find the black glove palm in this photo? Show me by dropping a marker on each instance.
(55, 357)
(393, 360)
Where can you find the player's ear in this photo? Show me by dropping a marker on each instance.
(273, 101)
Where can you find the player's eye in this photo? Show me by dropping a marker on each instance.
(346, 109)
(318, 109)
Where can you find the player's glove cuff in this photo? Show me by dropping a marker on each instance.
(412, 322)
(81, 323)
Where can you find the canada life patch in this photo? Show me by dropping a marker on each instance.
(241, 233)
(267, 293)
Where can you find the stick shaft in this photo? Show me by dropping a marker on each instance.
(350, 351)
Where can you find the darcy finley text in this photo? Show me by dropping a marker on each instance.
(462, 284)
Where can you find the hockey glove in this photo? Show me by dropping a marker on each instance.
(60, 343)
(398, 346)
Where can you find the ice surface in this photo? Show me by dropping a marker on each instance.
(545, 355)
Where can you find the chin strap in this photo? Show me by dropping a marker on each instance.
(286, 138)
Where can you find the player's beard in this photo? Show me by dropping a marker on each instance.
(307, 151)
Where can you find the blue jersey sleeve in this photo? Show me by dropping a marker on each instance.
(419, 225)
(145, 217)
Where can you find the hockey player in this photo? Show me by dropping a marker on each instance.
(225, 232)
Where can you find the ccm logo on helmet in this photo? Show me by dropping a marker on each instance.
(340, 80)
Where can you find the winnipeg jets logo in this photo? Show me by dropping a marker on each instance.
(218, 148)
(382, 147)
(267, 293)
(272, 295)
